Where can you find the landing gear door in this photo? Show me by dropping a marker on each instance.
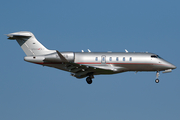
(103, 59)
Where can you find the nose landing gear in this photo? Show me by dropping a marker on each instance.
(157, 75)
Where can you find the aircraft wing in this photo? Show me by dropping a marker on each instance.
(81, 71)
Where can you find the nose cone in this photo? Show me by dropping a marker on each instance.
(173, 66)
(167, 65)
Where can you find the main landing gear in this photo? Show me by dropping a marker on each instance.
(89, 79)
(157, 75)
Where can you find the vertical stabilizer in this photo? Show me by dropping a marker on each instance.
(30, 45)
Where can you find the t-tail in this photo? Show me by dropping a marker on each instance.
(30, 45)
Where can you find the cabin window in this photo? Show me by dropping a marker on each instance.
(124, 59)
(96, 58)
(117, 59)
(110, 59)
(130, 59)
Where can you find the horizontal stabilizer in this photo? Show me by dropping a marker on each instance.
(19, 35)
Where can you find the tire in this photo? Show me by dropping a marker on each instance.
(157, 80)
(88, 80)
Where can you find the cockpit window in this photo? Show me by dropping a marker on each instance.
(155, 56)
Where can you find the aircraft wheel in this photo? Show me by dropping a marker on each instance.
(157, 80)
(88, 80)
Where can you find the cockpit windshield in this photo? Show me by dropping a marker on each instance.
(155, 56)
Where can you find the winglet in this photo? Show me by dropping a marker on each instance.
(62, 57)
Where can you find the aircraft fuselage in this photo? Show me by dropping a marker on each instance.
(111, 62)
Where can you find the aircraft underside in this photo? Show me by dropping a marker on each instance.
(81, 73)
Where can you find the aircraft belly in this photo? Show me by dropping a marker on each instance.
(137, 67)
(143, 67)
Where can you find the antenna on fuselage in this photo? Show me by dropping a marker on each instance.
(126, 50)
(89, 50)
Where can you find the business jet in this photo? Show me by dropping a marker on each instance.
(87, 64)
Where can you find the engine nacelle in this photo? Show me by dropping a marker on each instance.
(69, 56)
(34, 59)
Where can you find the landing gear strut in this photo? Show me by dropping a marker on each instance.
(157, 75)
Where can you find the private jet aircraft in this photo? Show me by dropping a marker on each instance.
(87, 64)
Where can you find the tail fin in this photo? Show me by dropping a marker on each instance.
(30, 45)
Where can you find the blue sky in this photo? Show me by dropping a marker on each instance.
(33, 92)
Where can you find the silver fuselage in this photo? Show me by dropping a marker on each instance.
(126, 61)
(110, 62)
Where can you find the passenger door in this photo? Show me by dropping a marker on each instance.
(103, 59)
